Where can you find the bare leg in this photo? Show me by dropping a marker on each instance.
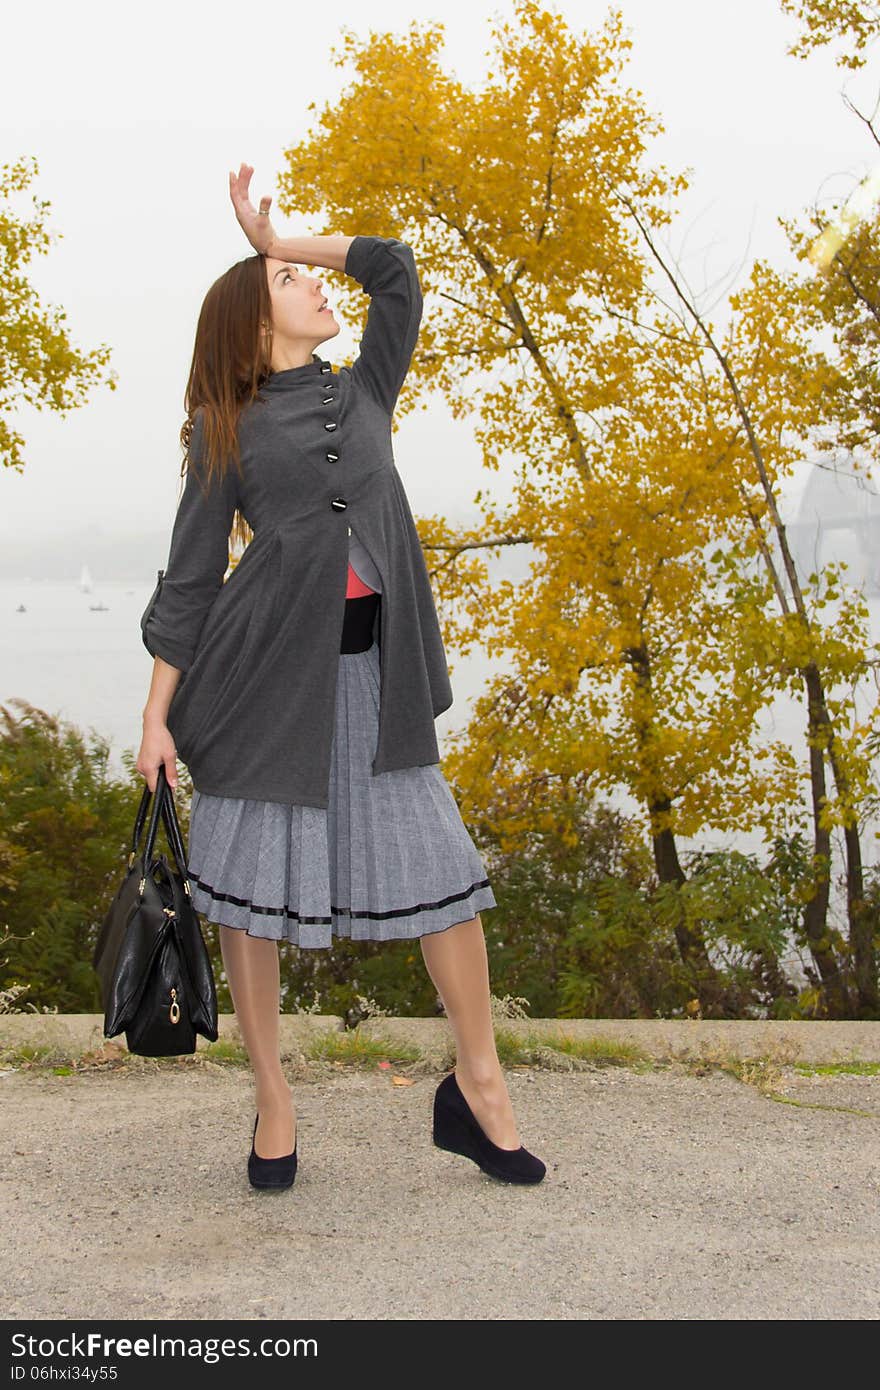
(456, 961)
(252, 971)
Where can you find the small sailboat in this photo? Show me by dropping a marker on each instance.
(21, 608)
(85, 580)
(98, 608)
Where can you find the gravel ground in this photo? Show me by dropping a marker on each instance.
(668, 1195)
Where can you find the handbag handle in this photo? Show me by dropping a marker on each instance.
(174, 833)
(139, 820)
(155, 813)
(163, 805)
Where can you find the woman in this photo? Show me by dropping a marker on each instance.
(301, 691)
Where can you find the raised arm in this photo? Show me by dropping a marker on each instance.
(197, 561)
(383, 265)
(386, 269)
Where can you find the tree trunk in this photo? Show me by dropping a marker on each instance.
(716, 1000)
(862, 918)
(816, 910)
(772, 976)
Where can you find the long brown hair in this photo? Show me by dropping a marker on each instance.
(231, 359)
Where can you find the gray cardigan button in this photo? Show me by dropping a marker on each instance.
(330, 425)
(338, 504)
(325, 367)
(327, 400)
(331, 457)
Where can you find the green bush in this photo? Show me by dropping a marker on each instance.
(582, 927)
(65, 828)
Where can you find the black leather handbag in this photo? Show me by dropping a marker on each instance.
(157, 984)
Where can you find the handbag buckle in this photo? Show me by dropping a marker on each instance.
(174, 1011)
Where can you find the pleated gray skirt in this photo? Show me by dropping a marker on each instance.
(389, 859)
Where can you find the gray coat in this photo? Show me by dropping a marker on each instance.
(253, 712)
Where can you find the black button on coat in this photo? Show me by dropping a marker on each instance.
(253, 712)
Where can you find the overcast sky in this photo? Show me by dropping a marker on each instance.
(136, 113)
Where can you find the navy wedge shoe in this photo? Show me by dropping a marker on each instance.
(457, 1130)
(271, 1172)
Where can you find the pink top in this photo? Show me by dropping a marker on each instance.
(356, 586)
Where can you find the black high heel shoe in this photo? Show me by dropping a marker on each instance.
(457, 1130)
(271, 1172)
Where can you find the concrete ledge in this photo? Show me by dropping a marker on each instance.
(803, 1041)
(433, 1036)
(78, 1033)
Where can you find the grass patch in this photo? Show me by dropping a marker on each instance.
(515, 1049)
(512, 1049)
(354, 1048)
(225, 1051)
(111, 1055)
(351, 1047)
(851, 1068)
(767, 1073)
(602, 1052)
(764, 1073)
(817, 1105)
(33, 1055)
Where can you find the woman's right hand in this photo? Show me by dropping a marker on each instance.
(157, 748)
(255, 225)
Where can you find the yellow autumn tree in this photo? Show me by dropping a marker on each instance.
(39, 364)
(854, 22)
(840, 245)
(643, 643)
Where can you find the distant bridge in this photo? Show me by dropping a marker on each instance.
(838, 519)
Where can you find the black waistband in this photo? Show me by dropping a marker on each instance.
(357, 627)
